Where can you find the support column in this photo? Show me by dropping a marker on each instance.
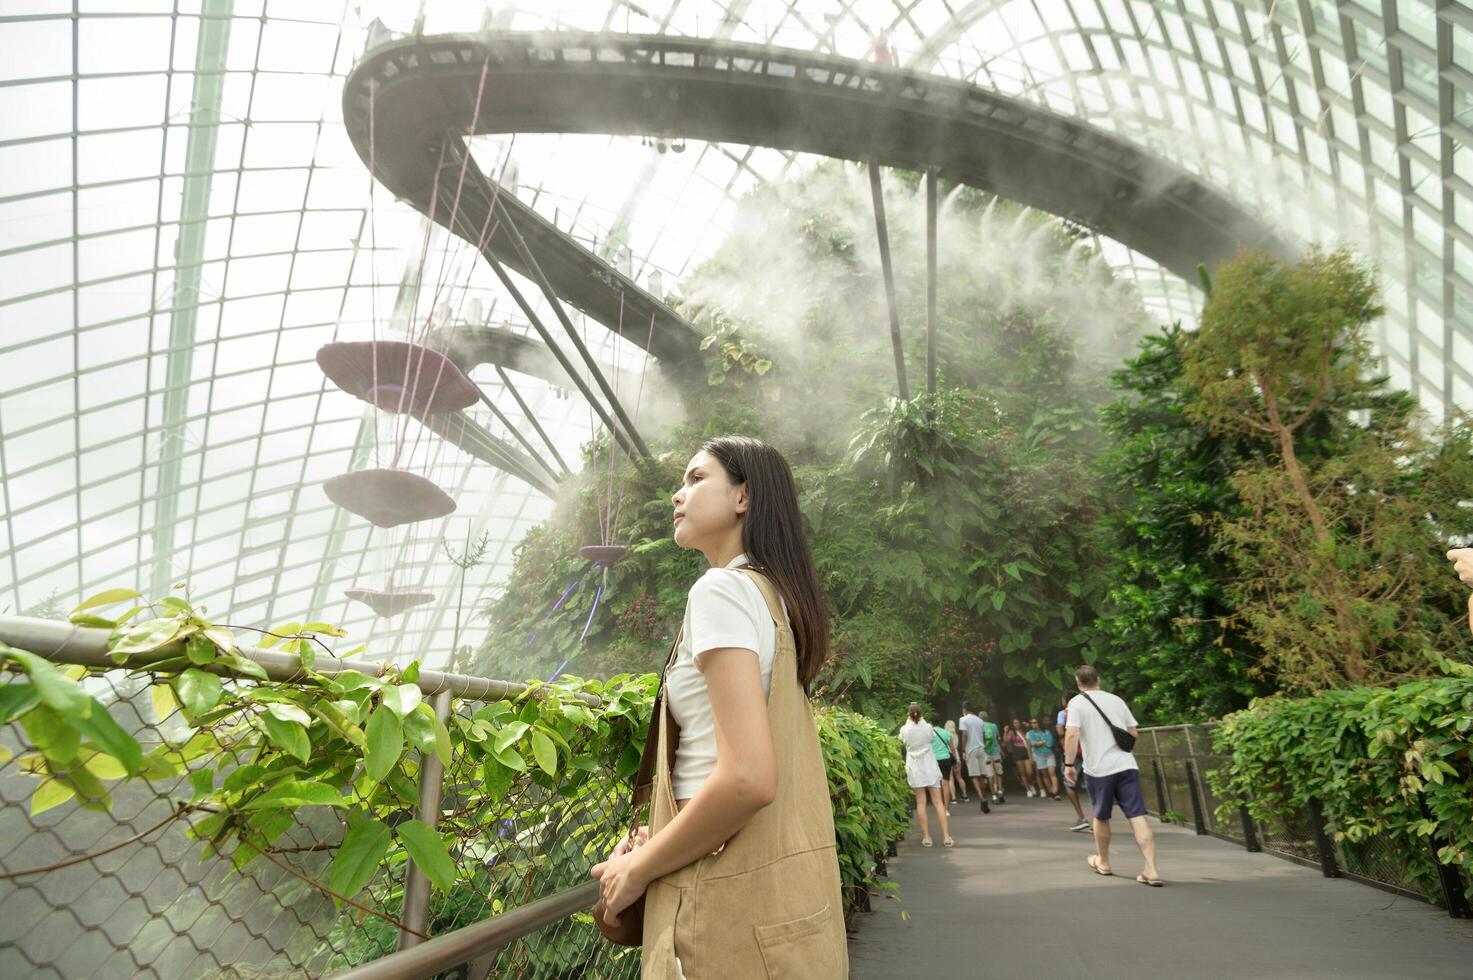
(931, 259)
(882, 232)
(189, 251)
(415, 913)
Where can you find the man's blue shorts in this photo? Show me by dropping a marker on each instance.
(1118, 787)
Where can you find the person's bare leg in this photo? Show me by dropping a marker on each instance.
(1053, 780)
(1145, 839)
(1102, 843)
(940, 812)
(921, 815)
(982, 785)
(1073, 795)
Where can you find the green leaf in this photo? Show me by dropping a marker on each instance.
(351, 680)
(428, 852)
(512, 759)
(419, 728)
(87, 619)
(146, 636)
(442, 742)
(107, 598)
(359, 856)
(199, 650)
(164, 701)
(410, 674)
(289, 712)
(48, 730)
(50, 793)
(108, 735)
(295, 793)
(277, 634)
(401, 698)
(286, 735)
(497, 779)
(55, 690)
(16, 699)
(544, 752)
(385, 744)
(202, 782)
(198, 690)
(221, 637)
(246, 666)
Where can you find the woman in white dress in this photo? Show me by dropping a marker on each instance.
(923, 774)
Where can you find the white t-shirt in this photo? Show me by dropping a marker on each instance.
(972, 726)
(724, 609)
(1102, 757)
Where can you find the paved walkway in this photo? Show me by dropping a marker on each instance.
(1014, 898)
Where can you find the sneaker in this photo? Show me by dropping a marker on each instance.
(1081, 825)
(985, 807)
(1030, 792)
(999, 798)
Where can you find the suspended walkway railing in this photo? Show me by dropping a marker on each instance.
(1175, 765)
(125, 890)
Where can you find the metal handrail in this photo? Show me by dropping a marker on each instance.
(477, 941)
(87, 645)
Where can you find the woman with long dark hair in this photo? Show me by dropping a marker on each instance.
(738, 866)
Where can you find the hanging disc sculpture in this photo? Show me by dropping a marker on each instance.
(608, 505)
(396, 378)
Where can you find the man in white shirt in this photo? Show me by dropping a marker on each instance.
(1112, 772)
(974, 750)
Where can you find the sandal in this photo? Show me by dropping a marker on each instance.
(948, 842)
(1093, 862)
(1153, 882)
(926, 843)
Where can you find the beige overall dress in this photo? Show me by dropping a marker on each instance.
(767, 904)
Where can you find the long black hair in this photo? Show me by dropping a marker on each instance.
(776, 544)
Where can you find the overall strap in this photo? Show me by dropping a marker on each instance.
(769, 595)
(644, 780)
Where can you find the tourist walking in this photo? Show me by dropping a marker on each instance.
(1017, 746)
(974, 750)
(941, 746)
(1041, 744)
(958, 780)
(733, 770)
(922, 773)
(1101, 724)
(1067, 775)
(992, 739)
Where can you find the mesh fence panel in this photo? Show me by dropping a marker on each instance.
(119, 888)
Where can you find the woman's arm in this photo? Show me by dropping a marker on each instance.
(744, 781)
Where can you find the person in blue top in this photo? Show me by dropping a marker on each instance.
(1041, 743)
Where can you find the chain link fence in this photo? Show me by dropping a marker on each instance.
(117, 885)
(1175, 762)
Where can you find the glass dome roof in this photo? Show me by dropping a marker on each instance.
(184, 222)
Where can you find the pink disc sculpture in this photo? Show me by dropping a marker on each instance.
(388, 603)
(398, 377)
(389, 498)
(603, 555)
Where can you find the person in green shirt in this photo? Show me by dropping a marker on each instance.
(992, 742)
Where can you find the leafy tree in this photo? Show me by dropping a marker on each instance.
(1341, 580)
(1165, 637)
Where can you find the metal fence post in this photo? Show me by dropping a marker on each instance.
(1250, 831)
(1454, 898)
(1322, 843)
(415, 913)
(1198, 821)
(1160, 771)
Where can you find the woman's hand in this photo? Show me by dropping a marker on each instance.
(628, 844)
(620, 883)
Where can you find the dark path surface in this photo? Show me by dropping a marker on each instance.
(1014, 898)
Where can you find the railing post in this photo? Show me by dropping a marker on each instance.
(1198, 821)
(1455, 899)
(1250, 831)
(415, 912)
(1322, 842)
(1160, 771)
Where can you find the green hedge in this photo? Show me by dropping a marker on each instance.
(1389, 762)
(867, 786)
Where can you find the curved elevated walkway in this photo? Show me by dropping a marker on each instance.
(420, 88)
(1014, 899)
